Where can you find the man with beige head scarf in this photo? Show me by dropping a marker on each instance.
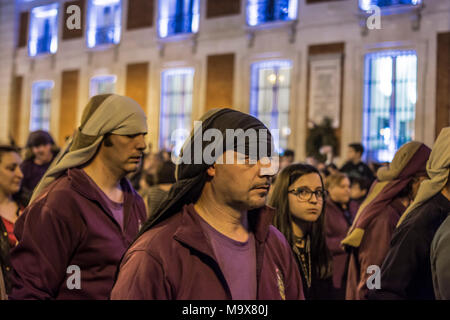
(84, 213)
(406, 271)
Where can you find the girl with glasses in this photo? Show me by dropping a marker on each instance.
(299, 197)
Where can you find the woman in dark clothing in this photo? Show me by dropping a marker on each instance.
(339, 215)
(10, 180)
(299, 197)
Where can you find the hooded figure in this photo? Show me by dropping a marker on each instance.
(84, 213)
(406, 270)
(40, 152)
(369, 237)
(190, 248)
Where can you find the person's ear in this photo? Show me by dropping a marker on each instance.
(211, 171)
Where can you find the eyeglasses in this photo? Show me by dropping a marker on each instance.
(305, 194)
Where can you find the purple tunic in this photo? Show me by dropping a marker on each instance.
(174, 260)
(32, 173)
(71, 225)
(237, 260)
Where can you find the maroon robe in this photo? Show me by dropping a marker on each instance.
(336, 227)
(174, 260)
(372, 250)
(71, 225)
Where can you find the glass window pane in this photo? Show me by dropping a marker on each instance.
(269, 97)
(262, 11)
(43, 30)
(176, 108)
(104, 22)
(102, 85)
(366, 4)
(390, 96)
(41, 98)
(178, 16)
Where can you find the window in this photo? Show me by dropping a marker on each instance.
(102, 85)
(366, 4)
(43, 30)
(104, 22)
(41, 99)
(176, 107)
(390, 95)
(178, 16)
(262, 11)
(269, 98)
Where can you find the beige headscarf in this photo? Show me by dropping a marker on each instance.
(108, 113)
(437, 168)
(409, 161)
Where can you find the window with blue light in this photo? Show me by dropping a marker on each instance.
(41, 100)
(269, 98)
(263, 11)
(102, 85)
(176, 108)
(104, 22)
(390, 95)
(366, 4)
(43, 37)
(178, 17)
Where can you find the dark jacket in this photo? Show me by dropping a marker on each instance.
(406, 271)
(70, 225)
(360, 170)
(440, 261)
(174, 260)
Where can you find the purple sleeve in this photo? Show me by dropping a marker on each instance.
(141, 277)
(42, 255)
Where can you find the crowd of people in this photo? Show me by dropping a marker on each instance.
(105, 217)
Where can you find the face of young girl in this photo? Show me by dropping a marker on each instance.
(299, 205)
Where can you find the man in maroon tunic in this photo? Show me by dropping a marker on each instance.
(84, 213)
(213, 238)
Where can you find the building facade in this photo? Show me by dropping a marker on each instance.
(383, 79)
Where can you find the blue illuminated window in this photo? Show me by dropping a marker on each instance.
(102, 85)
(390, 95)
(365, 4)
(269, 98)
(178, 16)
(104, 22)
(176, 108)
(262, 11)
(41, 99)
(43, 30)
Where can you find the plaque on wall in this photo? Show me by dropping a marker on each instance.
(324, 89)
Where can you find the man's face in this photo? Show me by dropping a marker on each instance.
(123, 153)
(42, 153)
(243, 186)
(352, 155)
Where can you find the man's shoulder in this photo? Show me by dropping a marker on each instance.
(159, 238)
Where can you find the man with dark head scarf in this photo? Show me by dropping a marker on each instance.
(84, 213)
(41, 150)
(212, 238)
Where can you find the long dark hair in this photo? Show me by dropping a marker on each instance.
(320, 256)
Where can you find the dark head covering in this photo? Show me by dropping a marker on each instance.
(38, 138)
(191, 173)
